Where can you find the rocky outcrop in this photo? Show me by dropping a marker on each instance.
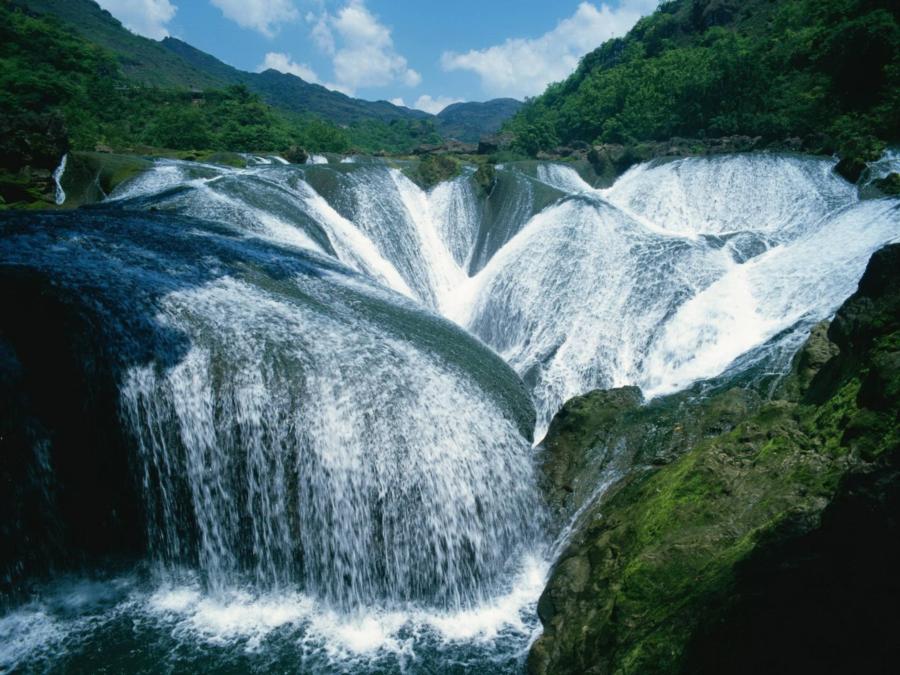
(295, 155)
(889, 185)
(67, 490)
(770, 546)
(432, 169)
(91, 176)
(31, 146)
(606, 432)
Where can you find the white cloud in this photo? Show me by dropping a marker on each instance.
(283, 63)
(264, 16)
(411, 78)
(434, 105)
(361, 49)
(144, 17)
(524, 67)
(399, 101)
(321, 33)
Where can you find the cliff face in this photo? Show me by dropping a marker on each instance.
(766, 540)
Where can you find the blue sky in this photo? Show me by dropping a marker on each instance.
(422, 54)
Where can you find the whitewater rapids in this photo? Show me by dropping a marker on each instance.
(681, 271)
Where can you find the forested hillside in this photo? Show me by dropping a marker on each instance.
(59, 91)
(172, 63)
(824, 72)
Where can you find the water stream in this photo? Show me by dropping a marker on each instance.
(332, 380)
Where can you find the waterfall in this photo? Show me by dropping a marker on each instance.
(306, 429)
(330, 379)
(60, 197)
(679, 271)
(674, 272)
(370, 493)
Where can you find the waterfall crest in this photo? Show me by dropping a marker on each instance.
(678, 272)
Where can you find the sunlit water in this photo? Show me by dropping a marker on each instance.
(337, 485)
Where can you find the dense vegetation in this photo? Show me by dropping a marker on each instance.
(824, 71)
(172, 63)
(469, 121)
(59, 91)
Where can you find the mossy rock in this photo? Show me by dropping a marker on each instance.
(231, 159)
(889, 185)
(295, 155)
(739, 555)
(851, 168)
(485, 178)
(611, 430)
(91, 176)
(434, 169)
(27, 188)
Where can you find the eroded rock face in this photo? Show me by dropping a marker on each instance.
(760, 548)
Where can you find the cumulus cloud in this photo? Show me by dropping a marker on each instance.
(399, 101)
(524, 67)
(434, 105)
(144, 17)
(264, 16)
(283, 63)
(361, 49)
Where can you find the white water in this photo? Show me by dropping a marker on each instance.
(884, 167)
(60, 196)
(339, 477)
(379, 492)
(70, 612)
(674, 272)
(665, 278)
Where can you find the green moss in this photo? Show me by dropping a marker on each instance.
(485, 178)
(433, 169)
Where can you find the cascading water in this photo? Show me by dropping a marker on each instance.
(379, 493)
(318, 450)
(301, 433)
(60, 194)
(580, 288)
(674, 272)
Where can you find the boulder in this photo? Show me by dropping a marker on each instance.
(295, 155)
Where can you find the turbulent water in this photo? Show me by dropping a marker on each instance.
(672, 275)
(335, 477)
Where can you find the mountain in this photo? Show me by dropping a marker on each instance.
(175, 64)
(172, 63)
(470, 121)
(143, 60)
(290, 92)
(824, 74)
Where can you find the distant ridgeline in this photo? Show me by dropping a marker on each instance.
(814, 75)
(73, 77)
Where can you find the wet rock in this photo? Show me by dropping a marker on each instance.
(889, 185)
(295, 155)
